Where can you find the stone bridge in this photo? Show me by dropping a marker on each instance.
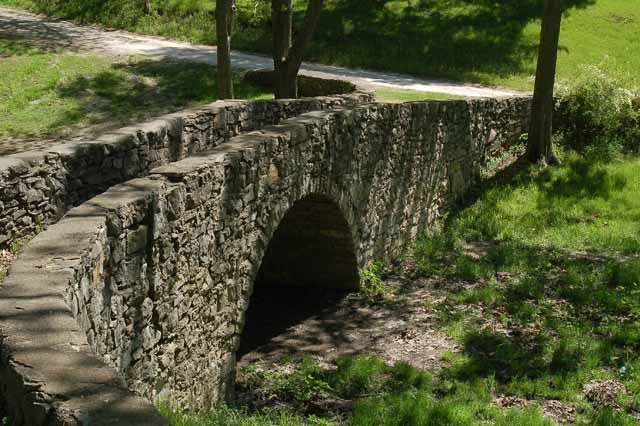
(139, 293)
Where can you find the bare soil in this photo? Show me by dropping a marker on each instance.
(327, 324)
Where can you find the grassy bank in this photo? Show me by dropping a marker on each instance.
(552, 301)
(483, 42)
(49, 93)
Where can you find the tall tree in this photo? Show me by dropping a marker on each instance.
(225, 11)
(539, 147)
(287, 53)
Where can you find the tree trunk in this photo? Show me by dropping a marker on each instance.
(282, 19)
(285, 85)
(287, 54)
(539, 146)
(224, 26)
(147, 7)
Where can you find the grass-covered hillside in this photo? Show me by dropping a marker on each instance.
(48, 92)
(478, 41)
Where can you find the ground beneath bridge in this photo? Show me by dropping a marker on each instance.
(328, 324)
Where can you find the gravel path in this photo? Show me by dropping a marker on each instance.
(92, 38)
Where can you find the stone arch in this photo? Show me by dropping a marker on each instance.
(312, 246)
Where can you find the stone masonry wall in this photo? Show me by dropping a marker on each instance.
(49, 373)
(37, 187)
(162, 267)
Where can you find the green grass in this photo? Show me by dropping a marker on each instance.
(385, 395)
(584, 205)
(393, 95)
(57, 93)
(565, 242)
(229, 416)
(478, 41)
(49, 92)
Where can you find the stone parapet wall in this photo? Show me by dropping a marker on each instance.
(499, 123)
(49, 373)
(158, 271)
(38, 187)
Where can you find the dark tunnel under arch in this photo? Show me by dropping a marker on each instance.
(312, 247)
(309, 266)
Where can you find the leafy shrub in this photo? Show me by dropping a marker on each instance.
(372, 286)
(305, 383)
(599, 116)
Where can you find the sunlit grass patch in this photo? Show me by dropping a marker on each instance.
(383, 394)
(57, 94)
(224, 415)
(582, 206)
(399, 95)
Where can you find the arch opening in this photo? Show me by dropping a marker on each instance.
(309, 266)
(311, 248)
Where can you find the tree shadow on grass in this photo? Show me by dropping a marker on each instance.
(11, 46)
(565, 195)
(460, 39)
(583, 179)
(134, 91)
(541, 320)
(541, 305)
(504, 357)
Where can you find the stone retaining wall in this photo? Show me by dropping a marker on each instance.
(307, 85)
(158, 271)
(37, 187)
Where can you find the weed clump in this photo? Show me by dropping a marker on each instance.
(372, 285)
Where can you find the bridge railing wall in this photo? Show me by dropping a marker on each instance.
(38, 187)
(53, 303)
